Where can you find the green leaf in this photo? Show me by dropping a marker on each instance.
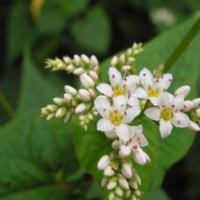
(163, 153)
(158, 195)
(21, 30)
(35, 159)
(93, 32)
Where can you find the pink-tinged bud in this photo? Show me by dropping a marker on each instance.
(187, 106)
(77, 59)
(103, 163)
(85, 58)
(124, 151)
(123, 183)
(68, 98)
(141, 157)
(196, 102)
(184, 90)
(79, 71)
(104, 182)
(111, 185)
(194, 126)
(108, 172)
(81, 108)
(126, 68)
(86, 81)
(70, 90)
(94, 60)
(84, 95)
(127, 171)
(198, 112)
(114, 60)
(119, 192)
(93, 75)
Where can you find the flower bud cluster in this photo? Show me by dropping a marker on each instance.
(120, 178)
(126, 62)
(78, 65)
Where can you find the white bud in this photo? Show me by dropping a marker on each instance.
(44, 111)
(85, 58)
(61, 112)
(59, 101)
(123, 183)
(111, 185)
(66, 59)
(68, 97)
(78, 71)
(67, 116)
(111, 135)
(103, 162)
(52, 108)
(141, 157)
(198, 112)
(104, 182)
(93, 75)
(125, 151)
(133, 197)
(194, 126)
(115, 145)
(94, 60)
(81, 108)
(70, 68)
(69, 89)
(128, 193)
(114, 60)
(138, 193)
(84, 95)
(131, 59)
(77, 59)
(126, 170)
(184, 90)
(119, 192)
(108, 171)
(92, 92)
(122, 58)
(50, 116)
(126, 68)
(133, 184)
(196, 102)
(187, 106)
(111, 196)
(86, 81)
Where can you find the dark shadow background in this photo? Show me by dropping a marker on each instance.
(58, 28)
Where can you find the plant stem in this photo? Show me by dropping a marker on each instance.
(7, 107)
(182, 46)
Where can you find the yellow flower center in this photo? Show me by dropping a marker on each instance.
(117, 91)
(153, 92)
(167, 114)
(116, 118)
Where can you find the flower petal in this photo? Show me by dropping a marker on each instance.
(131, 113)
(105, 125)
(133, 101)
(181, 120)
(146, 78)
(165, 128)
(154, 100)
(164, 100)
(102, 105)
(153, 113)
(177, 102)
(132, 82)
(184, 90)
(140, 156)
(122, 132)
(114, 76)
(119, 103)
(105, 88)
(165, 81)
(140, 93)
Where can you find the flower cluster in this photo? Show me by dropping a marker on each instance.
(128, 97)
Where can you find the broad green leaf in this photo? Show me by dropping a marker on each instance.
(35, 159)
(163, 153)
(93, 32)
(158, 195)
(21, 30)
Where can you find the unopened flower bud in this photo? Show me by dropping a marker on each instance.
(111, 196)
(126, 68)
(44, 111)
(81, 108)
(187, 106)
(133, 184)
(103, 162)
(109, 171)
(122, 58)
(68, 98)
(94, 60)
(61, 112)
(59, 101)
(77, 59)
(84, 94)
(78, 71)
(123, 183)
(133, 197)
(128, 193)
(194, 126)
(196, 102)
(119, 192)
(104, 182)
(141, 157)
(138, 193)
(66, 59)
(115, 145)
(184, 90)
(70, 68)
(86, 81)
(50, 116)
(125, 151)
(126, 170)
(85, 58)
(93, 75)
(114, 60)
(70, 90)
(52, 108)
(67, 116)
(198, 112)
(111, 185)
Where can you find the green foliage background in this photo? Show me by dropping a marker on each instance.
(54, 161)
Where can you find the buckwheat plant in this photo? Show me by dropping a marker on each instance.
(128, 96)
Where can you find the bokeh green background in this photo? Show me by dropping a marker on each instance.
(32, 31)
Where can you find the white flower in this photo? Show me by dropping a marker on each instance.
(119, 86)
(168, 113)
(115, 116)
(154, 86)
(135, 141)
